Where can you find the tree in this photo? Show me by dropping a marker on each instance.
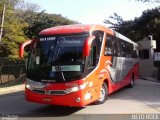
(22, 21)
(114, 20)
(40, 20)
(147, 24)
(13, 33)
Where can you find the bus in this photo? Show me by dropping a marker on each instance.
(75, 65)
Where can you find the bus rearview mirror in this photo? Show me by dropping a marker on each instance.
(22, 46)
(87, 45)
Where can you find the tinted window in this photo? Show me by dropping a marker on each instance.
(95, 49)
(108, 47)
(112, 46)
(123, 49)
(119, 48)
(98, 43)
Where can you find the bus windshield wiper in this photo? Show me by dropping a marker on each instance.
(59, 66)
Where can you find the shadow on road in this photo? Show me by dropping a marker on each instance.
(55, 111)
(15, 104)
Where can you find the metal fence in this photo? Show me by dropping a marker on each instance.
(11, 71)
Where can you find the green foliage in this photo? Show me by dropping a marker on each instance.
(22, 22)
(118, 20)
(13, 33)
(42, 20)
(147, 24)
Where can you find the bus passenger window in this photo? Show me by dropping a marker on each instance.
(91, 59)
(108, 47)
(123, 49)
(114, 47)
(127, 50)
(118, 47)
(130, 50)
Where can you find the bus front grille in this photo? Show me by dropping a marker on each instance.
(58, 92)
(39, 91)
(50, 92)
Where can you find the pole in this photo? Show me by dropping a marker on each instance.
(2, 22)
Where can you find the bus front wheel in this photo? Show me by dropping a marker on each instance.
(103, 94)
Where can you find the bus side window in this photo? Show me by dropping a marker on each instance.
(118, 47)
(108, 47)
(123, 49)
(90, 59)
(127, 50)
(95, 49)
(98, 43)
(130, 50)
(115, 47)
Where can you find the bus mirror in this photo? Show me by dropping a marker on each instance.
(87, 45)
(22, 46)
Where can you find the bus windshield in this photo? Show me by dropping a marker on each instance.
(57, 59)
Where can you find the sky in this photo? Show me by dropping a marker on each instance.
(94, 11)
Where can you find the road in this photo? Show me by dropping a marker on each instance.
(143, 98)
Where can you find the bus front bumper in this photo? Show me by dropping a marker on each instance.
(72, 99)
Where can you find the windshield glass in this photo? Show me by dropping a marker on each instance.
(57, 59)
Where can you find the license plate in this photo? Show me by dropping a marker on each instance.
(47, 99)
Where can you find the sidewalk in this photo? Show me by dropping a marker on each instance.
(150, 79)
(12, 89)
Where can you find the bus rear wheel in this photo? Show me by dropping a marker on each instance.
(103, 94)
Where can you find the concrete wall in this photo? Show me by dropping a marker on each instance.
(146, 68)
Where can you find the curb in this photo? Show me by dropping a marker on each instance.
(150, 79)
(12, 89)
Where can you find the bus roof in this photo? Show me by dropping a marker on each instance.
(66, 29)
(76, 28)
(81, 28)
(118, 35)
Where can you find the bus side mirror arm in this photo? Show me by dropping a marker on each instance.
(87, 45)
(22, 46)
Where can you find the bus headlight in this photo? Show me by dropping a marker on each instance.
(76, 88)
(29, 84)
(73, 89)
(33, 85)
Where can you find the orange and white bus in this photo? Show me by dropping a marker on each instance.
(75, 65)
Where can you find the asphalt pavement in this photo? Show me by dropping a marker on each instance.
(126, 104)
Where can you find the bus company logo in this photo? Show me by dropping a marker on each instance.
(61, 40)
(68, 41)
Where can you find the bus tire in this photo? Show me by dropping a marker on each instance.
(103, 94)
(132, 81)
